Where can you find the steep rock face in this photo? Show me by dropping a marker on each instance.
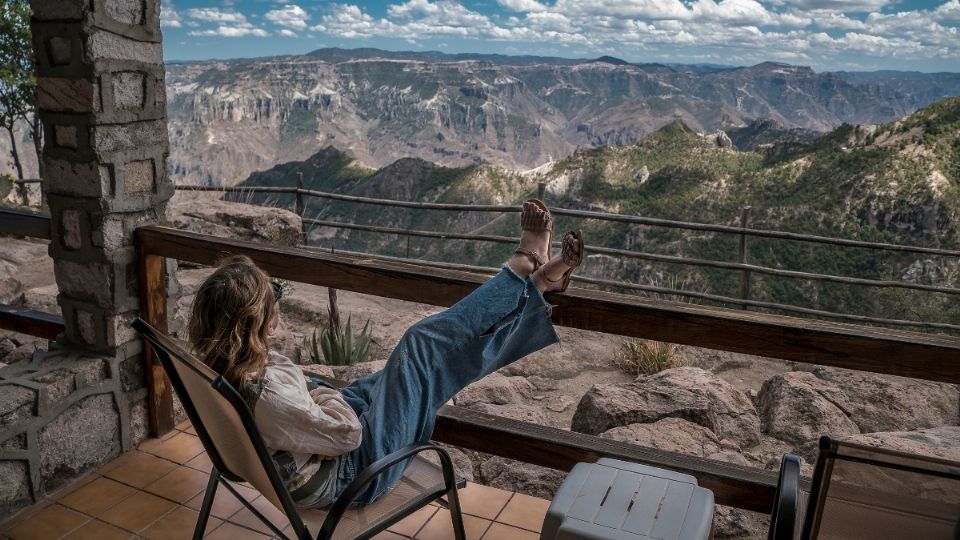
(229, 118)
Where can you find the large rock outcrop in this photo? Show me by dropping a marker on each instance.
(237, 221)
(688, 393)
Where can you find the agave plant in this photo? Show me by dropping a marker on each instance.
(337, 345)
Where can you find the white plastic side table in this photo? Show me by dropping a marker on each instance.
(619, 500)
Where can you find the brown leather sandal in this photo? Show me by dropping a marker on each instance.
(571, 256)
(530, 221)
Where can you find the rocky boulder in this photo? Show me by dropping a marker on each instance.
(495, 389)
(668, 434)
(798, 407)
(237, 221)
(942, 442)
(889, 403)
(692, 394)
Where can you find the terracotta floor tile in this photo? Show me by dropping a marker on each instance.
(52, 521)
(181, 485)
(499, 531)
(440, 527)
(181, 448)
(482, 501)
(246, 518)
(119, 461)
(191, 430)
(137, 511)
(177, 525)
(201, 463)
(525, 512)
(97, 496)
(97, 530)
(388, 535)
(224, 504)
(229, 531)
(73, 486)
(148, 444)
(183, 426)
(140, 469)
(414, 522)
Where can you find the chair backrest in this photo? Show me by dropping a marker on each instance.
(222, 419)
(865, 492)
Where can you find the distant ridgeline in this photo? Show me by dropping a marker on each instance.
(898, 182)
(229, 118)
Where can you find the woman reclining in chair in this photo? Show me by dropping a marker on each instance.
(324, 437)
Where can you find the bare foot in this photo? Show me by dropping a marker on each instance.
(550, 276)
(534, 247)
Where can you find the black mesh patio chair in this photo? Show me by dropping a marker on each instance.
(225, 426)
(871, 493)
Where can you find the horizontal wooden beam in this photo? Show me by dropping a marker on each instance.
(895, 352)
(24, 223)
(33, 323)
(732, 485)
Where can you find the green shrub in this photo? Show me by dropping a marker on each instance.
(640, 357)
(337, 345)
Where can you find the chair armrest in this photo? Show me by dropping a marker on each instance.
(783, 517)
(375, 469)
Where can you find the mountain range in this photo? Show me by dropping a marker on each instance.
(228, 118)
(897, 182)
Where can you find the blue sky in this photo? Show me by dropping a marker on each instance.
(921, 35)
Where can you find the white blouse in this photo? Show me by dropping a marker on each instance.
(303, 422)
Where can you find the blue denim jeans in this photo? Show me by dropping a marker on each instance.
(500, 322)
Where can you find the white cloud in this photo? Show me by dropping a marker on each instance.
(948, 12)
(216, 15)
(232, 31)
(290, 16)
(522, 5)
(846, 6)
(287, 33)
(229, 23)
(168, 15)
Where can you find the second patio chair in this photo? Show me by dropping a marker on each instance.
(859, 491)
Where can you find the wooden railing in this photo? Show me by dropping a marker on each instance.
(34, 323)
(742, 231)
(925, 356)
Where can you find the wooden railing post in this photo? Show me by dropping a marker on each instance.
(541, 190)
(299, 208)
(744, 274)
(153, 309)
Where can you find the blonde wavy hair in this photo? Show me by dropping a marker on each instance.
(231, 318)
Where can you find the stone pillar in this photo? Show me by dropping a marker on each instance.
(100, 93)
(100, 87)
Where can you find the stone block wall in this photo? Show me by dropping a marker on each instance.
(100, 92)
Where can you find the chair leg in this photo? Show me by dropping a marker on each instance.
(453, 502)
(207, 504)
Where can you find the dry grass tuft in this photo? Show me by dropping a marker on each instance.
(641, 357)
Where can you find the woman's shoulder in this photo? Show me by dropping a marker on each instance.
(280, 369)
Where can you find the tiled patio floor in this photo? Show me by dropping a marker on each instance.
(154, 492)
